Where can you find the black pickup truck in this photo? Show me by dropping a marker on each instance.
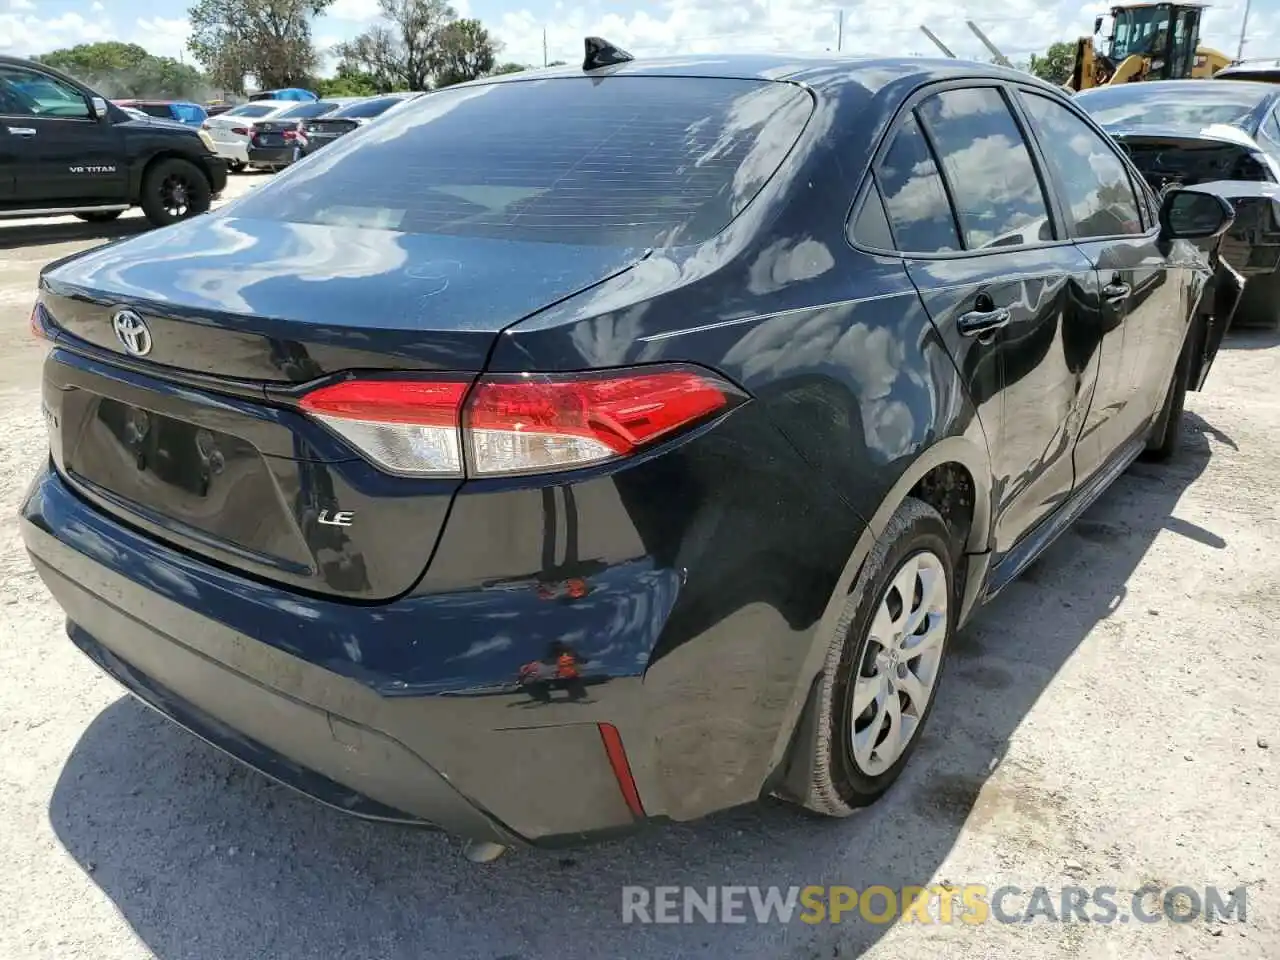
(65, 149)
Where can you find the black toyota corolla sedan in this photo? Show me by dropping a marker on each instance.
(610, 444)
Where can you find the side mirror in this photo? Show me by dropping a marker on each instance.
(1097, 26)
(1191, 215)
(100, 111)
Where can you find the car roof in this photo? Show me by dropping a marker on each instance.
(871, 73)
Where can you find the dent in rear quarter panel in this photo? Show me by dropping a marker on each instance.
(741, 535)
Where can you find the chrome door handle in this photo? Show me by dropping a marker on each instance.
(22, 131)
(1116, 291)
(977, 322)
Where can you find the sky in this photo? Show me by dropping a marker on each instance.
(1017, 27)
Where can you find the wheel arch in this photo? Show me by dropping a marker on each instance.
(934, 474)
(159, 155)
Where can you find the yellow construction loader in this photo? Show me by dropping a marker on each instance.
(1148, 41)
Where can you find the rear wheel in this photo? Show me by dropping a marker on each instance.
(174, 189)
(100, 216)
(236, 166)
(1260, 302)
(885, 660)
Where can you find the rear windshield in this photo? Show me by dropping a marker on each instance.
(630, 161)
(304, 110)
(368, 108)
(156, 110)
(253, 110)
(1167, 105)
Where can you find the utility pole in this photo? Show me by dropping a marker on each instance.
(1244, 25)
(544, 46)
(840, 29)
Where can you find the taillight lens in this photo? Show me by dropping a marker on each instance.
(38, 328)
(531, 424)
(517, 424)
(407, 427)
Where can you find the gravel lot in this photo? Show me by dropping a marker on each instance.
(1110, 720)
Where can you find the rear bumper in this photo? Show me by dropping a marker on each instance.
(676, 600)
(274, 156)
(232, 152)
(471, 765)
(216, 168)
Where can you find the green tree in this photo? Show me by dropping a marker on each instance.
(347, 82)
(126, 70)
(1056, 64)
(269, 40)
(502, 68)
(465, 51)
(401, 50)
(419, 44)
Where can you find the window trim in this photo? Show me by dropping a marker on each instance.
(870, 192)
(1131, 171)
(907, 107)
(1037, 167)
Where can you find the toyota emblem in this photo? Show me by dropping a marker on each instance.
(131, 330)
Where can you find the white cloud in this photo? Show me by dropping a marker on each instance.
(26, 34)
(878, 27)
(96, 7)
(356, 11)
(20, 5)
(163, 36)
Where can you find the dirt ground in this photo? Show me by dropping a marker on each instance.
(1112, 720)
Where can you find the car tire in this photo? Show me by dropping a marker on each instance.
(1166, 433)
(100, 216)
(236, 166)
(849, 771)
(161, 184)
(1259, 305)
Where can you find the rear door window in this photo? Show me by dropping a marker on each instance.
(1099, 195)
(993, 182)
(630, 161)
(914, 197)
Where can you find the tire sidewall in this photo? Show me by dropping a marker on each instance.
(153, 179)
(841, 786)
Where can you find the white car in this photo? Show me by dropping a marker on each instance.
(230, 131)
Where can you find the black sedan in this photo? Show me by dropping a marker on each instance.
(276, 142)
(613, 443)
(328, 128)
(1185, 132)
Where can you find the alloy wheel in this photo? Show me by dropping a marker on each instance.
(175, 194)
(900, 663)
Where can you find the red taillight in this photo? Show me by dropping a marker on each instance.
(517, 424)
(527, 424)
(38, 328)
(240, 131)
(408, 427)
(292, 135)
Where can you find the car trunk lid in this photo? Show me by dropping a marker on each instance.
(199, 441)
